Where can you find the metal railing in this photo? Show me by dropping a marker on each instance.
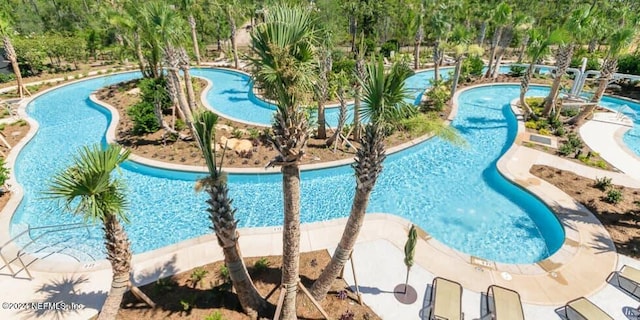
(620, 115)
(21, 252)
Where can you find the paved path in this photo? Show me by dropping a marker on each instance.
(604, 135)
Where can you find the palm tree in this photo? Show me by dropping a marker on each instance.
(285, 64)
(10, 52)
(188, 7)
(160, 27)
(222, 216)
(517, 23)
(618, 43)
(126, 22)
(232, 11)
(87, 188)
(419, 21)
(174, 86)
(539, 45)
(461, 50)
(322, 88)
(359, 73)
(385, 104)
(577, 25)
(440, 27)
(501, 16)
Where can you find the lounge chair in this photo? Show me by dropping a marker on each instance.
(446, 300)
(583, 309)
(503, 303)
(629, 280)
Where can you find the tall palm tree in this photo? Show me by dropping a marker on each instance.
(233, 12)
(462, 49)
(188, 6)
(126, 22)
(174, 85)
(501, 17)
(518, 23)
(384, 98)
(440, 27)
(359, 73)
(618, 43)
(160, 26)
(222, 217)
(87, 188)
(578, 27)
(539, 45)
(325, 62)
(419, 27)
(284, 65)
(5, 32)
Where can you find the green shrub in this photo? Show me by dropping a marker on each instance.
(601, 164)
(544, 132)
(254, 133)
(626, 64)
(155, 90)
(214, 316)
(143, 117)
(7, 77)
(21, 123)
(602, 183)
(261, 265)
(189, 302)
(531, 125)
(437, 96)
(387, 47)
(560, 132)
(345, 64)
(517, 71)
(574, 140)
(180, 125)
(569, 112)
(197, 275)
(237, 133)
(471, 66)
(164, 285)
(4, 173)
(224, 273)
(566, 149)
(613, 196)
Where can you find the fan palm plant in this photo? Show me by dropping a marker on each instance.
(284, 46)
(539, 45)
(87, 188)
(222, 217)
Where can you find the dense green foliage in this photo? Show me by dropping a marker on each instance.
(152, 92)
(629, 64)
(144, 120)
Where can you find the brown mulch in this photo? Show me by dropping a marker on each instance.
(153, 146)
(13, 133)
(212, 293)
(620, 220)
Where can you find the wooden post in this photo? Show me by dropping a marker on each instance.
(279, 305)
(355, 280)
(315, 303)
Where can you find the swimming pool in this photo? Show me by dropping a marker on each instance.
(631, 109)
(455, 194)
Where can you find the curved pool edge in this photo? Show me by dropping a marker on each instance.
(9, 248)
(430, 254)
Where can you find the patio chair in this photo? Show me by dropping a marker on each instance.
(503, 303)
(629, 280)
(583, 309)
(446, 300)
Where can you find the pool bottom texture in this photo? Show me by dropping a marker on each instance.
(453, 192)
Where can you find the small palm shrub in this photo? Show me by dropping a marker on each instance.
(602, 183)
(613, 196)
(143, 117)
(261, 265)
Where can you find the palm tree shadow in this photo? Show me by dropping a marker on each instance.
(64, 292)
(147, 276)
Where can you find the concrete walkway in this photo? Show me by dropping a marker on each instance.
(604, 135)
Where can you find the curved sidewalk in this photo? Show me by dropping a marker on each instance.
(604, 134)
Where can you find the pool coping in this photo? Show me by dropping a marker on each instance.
(559, 266)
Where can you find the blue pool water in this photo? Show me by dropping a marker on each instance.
(632, 137)
(454, 193)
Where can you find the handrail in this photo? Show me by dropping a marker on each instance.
(621, 115)
(21, 252)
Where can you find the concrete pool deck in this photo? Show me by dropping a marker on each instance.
(579, 268)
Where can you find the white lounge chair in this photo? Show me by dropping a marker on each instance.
(583, 309)
(446, 300)
(503, 304)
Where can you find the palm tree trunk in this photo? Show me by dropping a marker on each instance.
(368, 166)
(436, 61)
(456, 76)
(119, 254)
(416, 48)
(139, 55)
(482, 33)
(290, 239)
(191, 96)
(524, 87)
(494, 47)
(563, 59)
(353, 27)
(360, 73)
(609, 67)
(194, 38)
(523, 48)
(234, 47)
(11, 55)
